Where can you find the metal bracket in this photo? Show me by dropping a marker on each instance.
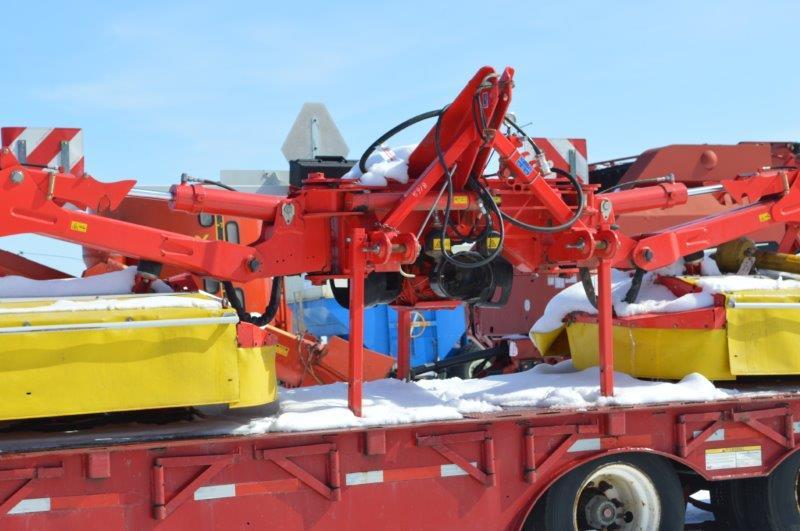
(574, 434)
(752, 419)
(717, 420)
(22, 151)
(31, 475)
(64, 156)
(441, 443)
(280, 456)
(213, 465)
(686, 444)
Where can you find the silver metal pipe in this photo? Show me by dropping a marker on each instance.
(149, 194)
(117, 325)
(763, 305)
(702, 190)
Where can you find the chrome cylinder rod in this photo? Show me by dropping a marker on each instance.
(702, 190)
(150, 194)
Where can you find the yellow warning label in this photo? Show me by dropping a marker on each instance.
(764, 217)
(736, 457)
(79, 226)
(493, 242)
(734, 449)
(281, 350)
(497, 199)
(437, 244)
(460, 200)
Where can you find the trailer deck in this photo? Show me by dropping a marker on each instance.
(485, 470)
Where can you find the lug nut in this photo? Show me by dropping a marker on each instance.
(17, 176)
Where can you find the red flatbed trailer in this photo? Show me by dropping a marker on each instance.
(483, 472)
(602, 468)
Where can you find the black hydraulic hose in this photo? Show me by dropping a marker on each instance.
(362, 162)
(482, 190)
(186, 178)
(218, 183)
(269, 312)
(630, 184)
(521, 131)
(563, 226)
(586, 279)
(636, 285)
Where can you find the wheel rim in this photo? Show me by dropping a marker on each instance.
(617, 496)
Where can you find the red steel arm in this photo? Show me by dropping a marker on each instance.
(667, 246)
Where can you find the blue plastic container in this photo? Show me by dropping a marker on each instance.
(436, 333)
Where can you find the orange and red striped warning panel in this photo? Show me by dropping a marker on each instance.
(51, 147)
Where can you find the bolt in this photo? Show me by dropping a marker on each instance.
(287, 211)
(253, 264)
(647, 254)
(605, 209)
(17, 176)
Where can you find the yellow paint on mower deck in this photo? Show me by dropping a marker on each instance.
(754, 342)
(72, 372)
(764, 341)
(654, 352)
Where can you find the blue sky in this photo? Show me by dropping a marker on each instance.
(166, 87)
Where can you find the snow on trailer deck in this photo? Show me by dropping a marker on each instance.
(456, 451)
(543, 390)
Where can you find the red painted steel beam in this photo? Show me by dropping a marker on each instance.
(403, 343)
(14, 264)
(605, 313)
(357, 273)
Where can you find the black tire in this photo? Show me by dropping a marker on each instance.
(728, 504)
(464, 370)
(772, 502)
(556, 510)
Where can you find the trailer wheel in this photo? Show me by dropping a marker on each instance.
(728, 500)
(772, 502)
(621, 492)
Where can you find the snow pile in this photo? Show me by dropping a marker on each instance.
(561, 386)
(130, 303)
(383, 165)
(392, 402)
(731, 283)
(653, 298)
(114, 283)
(386, 402)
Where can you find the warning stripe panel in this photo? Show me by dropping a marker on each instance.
(42, 146)
(89, 501)
(557, 150)
(594, 444)
(231, 490)
(405, 474)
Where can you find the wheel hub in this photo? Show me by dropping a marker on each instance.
(617, 496)
(600, 512)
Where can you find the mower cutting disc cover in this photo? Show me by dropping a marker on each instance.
(744, 332)
(126, 352)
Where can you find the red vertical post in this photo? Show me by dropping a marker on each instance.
(403, 343)
(605, 310)
(355, 376)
